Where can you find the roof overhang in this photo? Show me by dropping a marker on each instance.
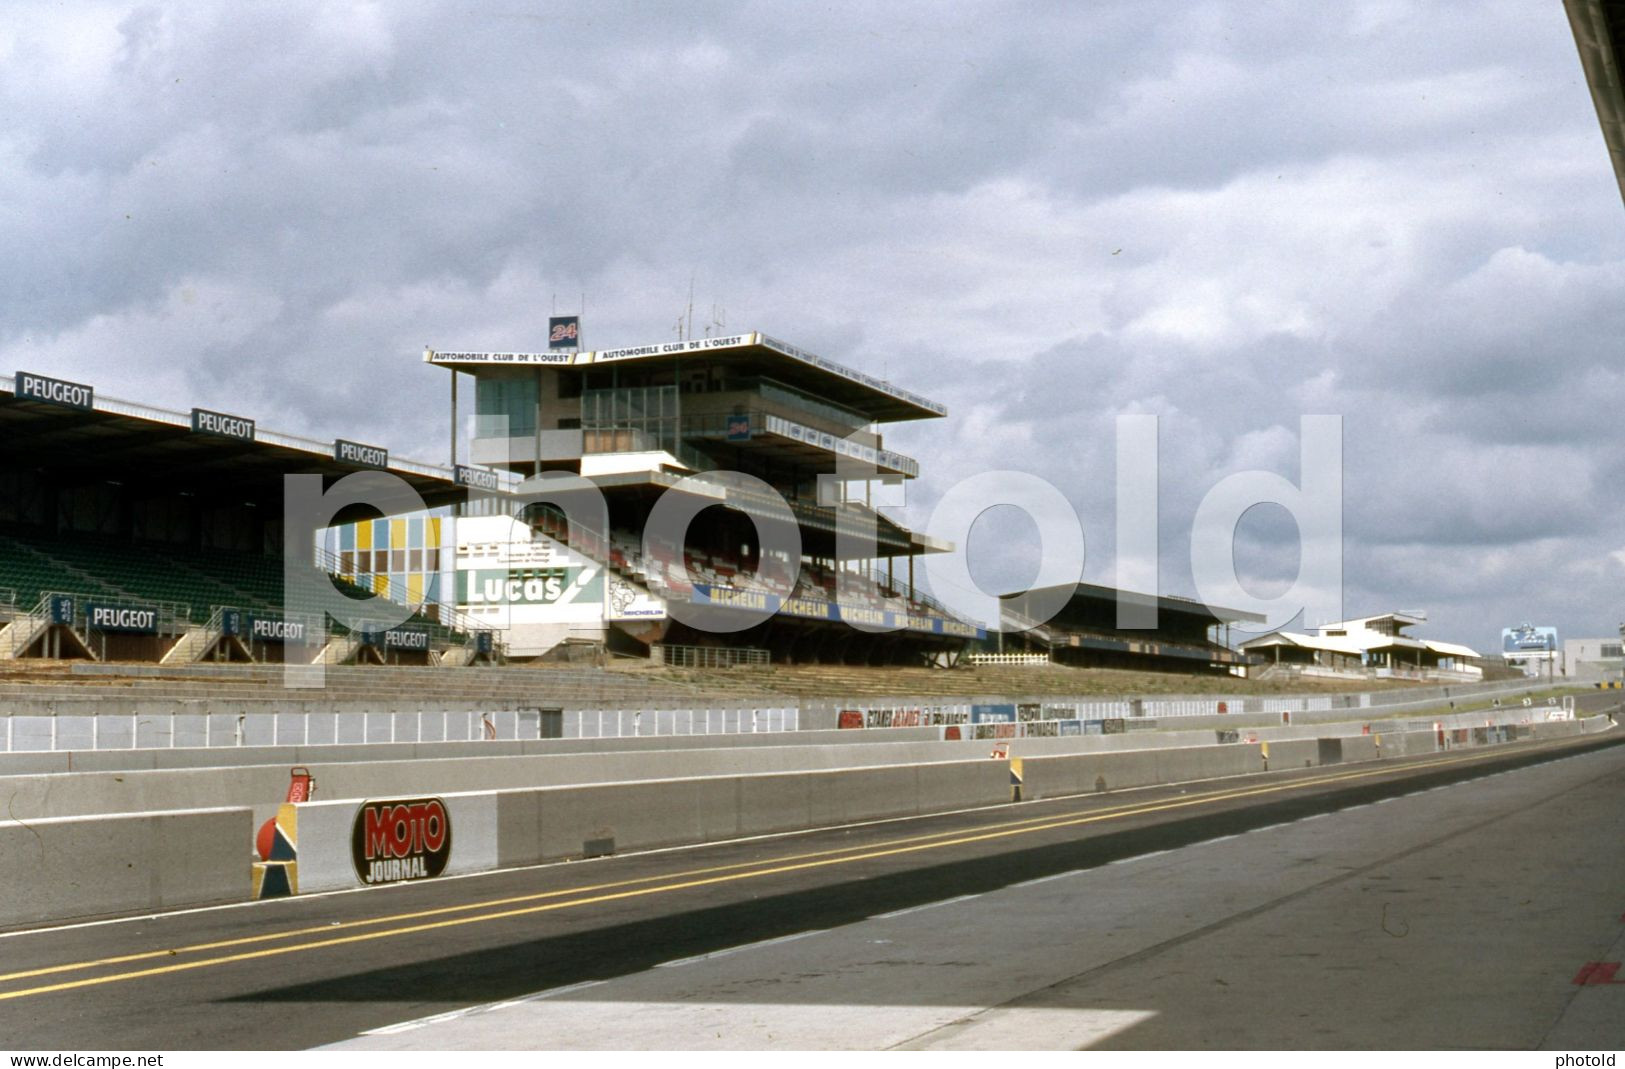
(161, 451)
(1343, 646)
(1213, 614)
(1599, 33)
(1450, 649)
(877, 399)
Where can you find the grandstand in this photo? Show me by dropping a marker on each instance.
(136, 533)
(1186, 636)
(133, 533)
(381, 685)
(635, 422)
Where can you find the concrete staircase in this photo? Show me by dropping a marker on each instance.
(192, 645)
(18, 635)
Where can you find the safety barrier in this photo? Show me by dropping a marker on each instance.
(532, 825)
(64, 867)
(70, 867)
(527, 826)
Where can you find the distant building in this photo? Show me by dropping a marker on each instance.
(1368, 647)
(1533, 650)
(1188, 637)
(1593, 658)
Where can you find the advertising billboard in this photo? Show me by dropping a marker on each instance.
(1527, 638)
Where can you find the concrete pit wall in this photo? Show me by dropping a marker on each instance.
(526, 827)
(360, 773)
(73, 867)
(83, 867)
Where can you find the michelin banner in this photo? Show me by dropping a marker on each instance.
(627, 601)
(819, 609)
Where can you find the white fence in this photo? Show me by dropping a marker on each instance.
(139, 731)
(21, 732)
(1033, 660)
(736, 719)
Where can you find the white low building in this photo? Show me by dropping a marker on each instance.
(1368, 647)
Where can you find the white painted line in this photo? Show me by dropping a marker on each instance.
(470, 1011)
(1267, 827)
(1220, 839)
(421, 1022)
(1047, 879)
(742, 947)
(1137, 857)
(1312, 816)
(916, 909)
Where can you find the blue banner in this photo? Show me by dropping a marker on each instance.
(398, 638)
(132, 620)
(820, 609)
(61, 609)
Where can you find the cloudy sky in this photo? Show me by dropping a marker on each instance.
(1227, 215)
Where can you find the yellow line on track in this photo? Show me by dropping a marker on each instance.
(624, 889)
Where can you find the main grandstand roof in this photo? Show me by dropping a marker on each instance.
(1599, 32)
(1188, 607)
(876, 398)
(110, 440)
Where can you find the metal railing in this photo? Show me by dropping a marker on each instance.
(1027, 659)
(207, 634)
(24, 629)
(25, 733)
(707, 656)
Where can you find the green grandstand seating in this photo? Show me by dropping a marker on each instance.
(31, 573)
(197, 579)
